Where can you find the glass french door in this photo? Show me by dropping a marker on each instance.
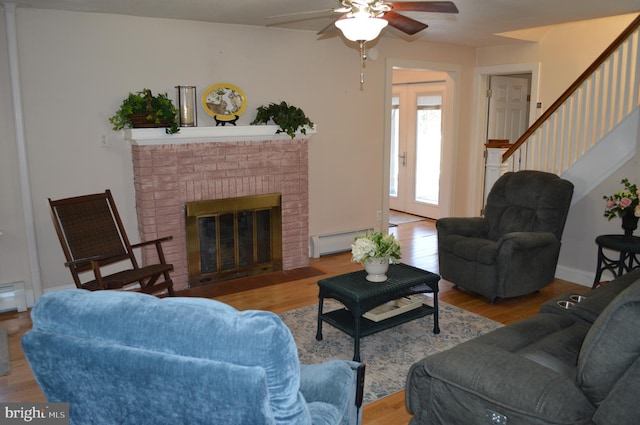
(416, 148)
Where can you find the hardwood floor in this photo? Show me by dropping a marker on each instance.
(419, 248)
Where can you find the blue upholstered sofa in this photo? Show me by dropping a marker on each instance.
(130, 358)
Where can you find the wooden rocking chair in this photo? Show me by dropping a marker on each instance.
(92, 236)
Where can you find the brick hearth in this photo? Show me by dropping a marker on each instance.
(167, 175)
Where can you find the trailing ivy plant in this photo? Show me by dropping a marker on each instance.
(289, 118)
(159, 110)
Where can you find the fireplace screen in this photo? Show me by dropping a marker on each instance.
(233, 237)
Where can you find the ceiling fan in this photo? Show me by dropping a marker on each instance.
(388, 10)
(362, 20)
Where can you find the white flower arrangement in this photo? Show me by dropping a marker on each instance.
(375, 245)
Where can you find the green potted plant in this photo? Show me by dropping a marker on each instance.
(289, 118)
(143, 110)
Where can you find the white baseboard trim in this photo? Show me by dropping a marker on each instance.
(581, 277)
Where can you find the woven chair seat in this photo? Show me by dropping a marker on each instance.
(126, 277)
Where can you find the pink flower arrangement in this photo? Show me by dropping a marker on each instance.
(623, 202)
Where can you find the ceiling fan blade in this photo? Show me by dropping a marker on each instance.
(423, 6)
(309, 12)
(329, 28)
(403, 23)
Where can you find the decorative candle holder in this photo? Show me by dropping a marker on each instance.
(186, 99)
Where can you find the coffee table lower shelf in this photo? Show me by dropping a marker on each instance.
(344, 320)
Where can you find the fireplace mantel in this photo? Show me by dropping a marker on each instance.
(158, 136)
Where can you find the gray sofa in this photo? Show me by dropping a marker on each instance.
(575, 366)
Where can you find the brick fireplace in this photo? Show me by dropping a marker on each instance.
(211, 163)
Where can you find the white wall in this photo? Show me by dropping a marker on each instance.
(77, 67)
(586, 221)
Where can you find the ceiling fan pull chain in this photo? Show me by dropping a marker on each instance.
(363, 57)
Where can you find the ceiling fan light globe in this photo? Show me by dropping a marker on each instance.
(361, 28)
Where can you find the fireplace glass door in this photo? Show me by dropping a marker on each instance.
(233, 237)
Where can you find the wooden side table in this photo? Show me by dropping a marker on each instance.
(359, 296)
(627, 246)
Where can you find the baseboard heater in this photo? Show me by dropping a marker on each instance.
(12, 297)
(335, 242)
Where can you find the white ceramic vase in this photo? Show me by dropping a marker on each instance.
(376, 269)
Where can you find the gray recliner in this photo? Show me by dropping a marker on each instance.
(513, 250)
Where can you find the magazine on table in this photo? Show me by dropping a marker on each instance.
(394, 308)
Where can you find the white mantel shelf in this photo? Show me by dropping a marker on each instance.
(158, 136)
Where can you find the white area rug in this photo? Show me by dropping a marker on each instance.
(390, 353)
(5, 361)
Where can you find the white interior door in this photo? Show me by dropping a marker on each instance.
(417, 119)
(508, 107)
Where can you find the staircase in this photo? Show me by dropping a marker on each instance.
(592, 129)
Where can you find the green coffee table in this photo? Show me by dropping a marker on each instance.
(359, 296)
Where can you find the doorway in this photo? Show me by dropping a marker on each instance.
(420, 112)
(508, 98)
(481, 132)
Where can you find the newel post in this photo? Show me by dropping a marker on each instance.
(494, 167)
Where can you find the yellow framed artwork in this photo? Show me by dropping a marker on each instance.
(224, 102)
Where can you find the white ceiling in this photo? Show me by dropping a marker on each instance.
(476, 25)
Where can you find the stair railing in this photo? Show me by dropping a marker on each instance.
(602, 97)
